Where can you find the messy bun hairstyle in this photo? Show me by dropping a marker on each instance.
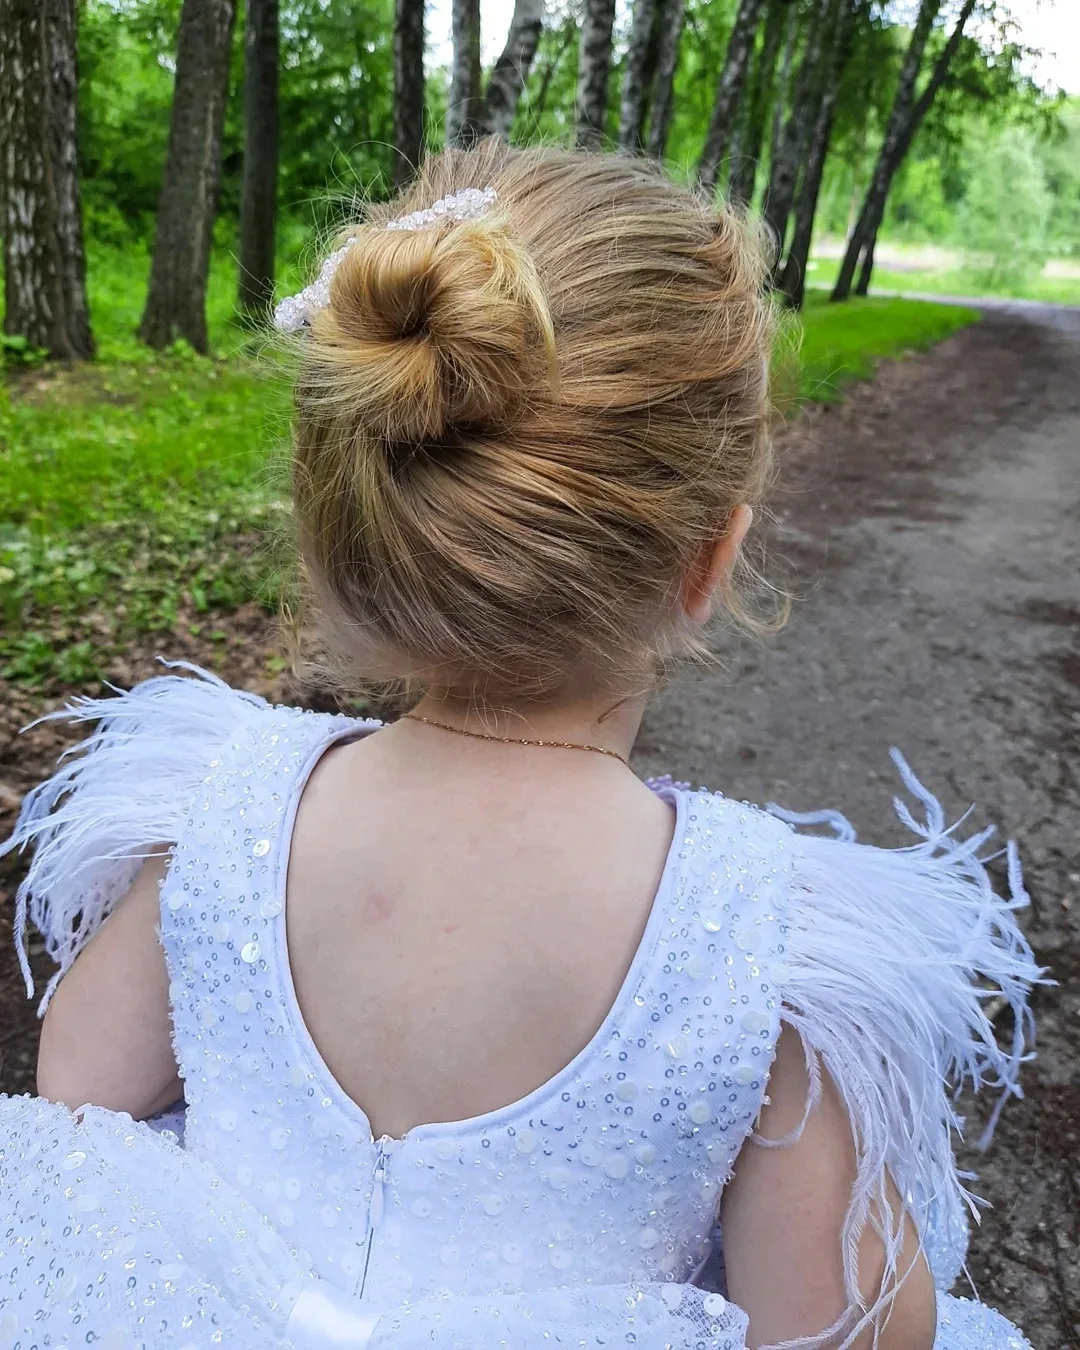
(515, 433)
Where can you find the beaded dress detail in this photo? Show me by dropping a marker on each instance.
(581, 1215)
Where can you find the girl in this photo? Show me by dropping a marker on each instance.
(476, 1033)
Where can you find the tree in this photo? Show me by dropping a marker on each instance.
(762, 96)
(511, 70)
(258, 194)
(792, 284)
(729, 91)
(669, 37)
(1006, 213)
(408, 88)
(905, 117)
(40, 207)
(464, 113)
(789, 151)
(176, 299)
(637, 76)
(594, 68)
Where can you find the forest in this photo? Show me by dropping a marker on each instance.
(168, 166)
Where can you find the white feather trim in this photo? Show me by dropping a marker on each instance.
(116, 795)
(892, 955)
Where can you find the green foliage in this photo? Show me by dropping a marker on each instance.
(16, 353)
(546, 109)
(336, 110)
(1006, 213)
(1059, 152)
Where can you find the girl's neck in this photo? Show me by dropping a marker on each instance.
(598, 719)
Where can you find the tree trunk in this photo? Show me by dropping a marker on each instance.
(408, 88)
(511, 70)
(788, 156)
(176, 300)
(40, 215)
(63, 48)
(783, 84)
(669, 36)
(258, 194)
(922, 106)
(594, 69)
(465, 112)
(729, 91)
(793, 282)
(635, 93)
(752, 133)
(890, 154)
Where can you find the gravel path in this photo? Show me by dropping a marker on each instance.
(933, 523)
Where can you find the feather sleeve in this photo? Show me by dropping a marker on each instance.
(893, 956)
(115, 795)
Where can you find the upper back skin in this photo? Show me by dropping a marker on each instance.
(460, 921)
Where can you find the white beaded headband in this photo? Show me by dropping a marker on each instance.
(296, 311)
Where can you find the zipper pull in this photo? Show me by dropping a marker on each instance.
(377, 1206)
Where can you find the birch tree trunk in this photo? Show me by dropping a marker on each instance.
(465, 112)
(788, 155)
(63, 62)
(408, 88)
(176, 300)
(783, 84)
(728, 92)
(635, 92)
(511, 71)
(40, 215)
(669, 36)
(258, 193)
(793, 281)
(752, 138)
(594, 70)
(878, 194)
(894, 146)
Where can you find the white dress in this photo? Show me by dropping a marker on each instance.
(577, 1216)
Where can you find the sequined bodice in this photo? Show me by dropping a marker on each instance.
(609, 1171)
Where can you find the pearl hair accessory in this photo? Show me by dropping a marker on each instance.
(297, 311)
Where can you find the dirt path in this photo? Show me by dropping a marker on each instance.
(935, 522)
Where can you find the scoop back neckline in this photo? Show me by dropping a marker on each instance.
(539, 1095)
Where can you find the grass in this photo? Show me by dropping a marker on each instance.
(958, 281)
(841, 343)
(135, 491)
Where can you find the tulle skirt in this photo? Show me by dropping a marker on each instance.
(111, 1235)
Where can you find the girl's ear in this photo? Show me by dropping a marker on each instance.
(712, 565)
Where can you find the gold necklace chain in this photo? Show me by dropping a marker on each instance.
(517, 740)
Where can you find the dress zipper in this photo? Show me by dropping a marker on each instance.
(384, 1147)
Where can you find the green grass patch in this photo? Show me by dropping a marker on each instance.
(841, 343)
(137, 491)
(134, 489)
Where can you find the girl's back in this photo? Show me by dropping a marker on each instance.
(461, 918)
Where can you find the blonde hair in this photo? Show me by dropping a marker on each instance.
(515, 434)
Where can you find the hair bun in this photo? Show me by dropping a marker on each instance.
(429, 330)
